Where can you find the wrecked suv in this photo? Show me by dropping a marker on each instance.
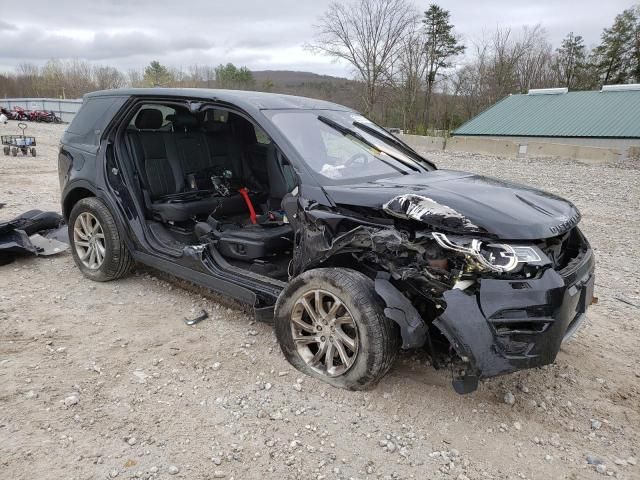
(354, 244)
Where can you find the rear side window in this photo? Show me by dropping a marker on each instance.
(261, 136)
(167, 113)
(93, 117)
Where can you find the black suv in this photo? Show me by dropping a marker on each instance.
(354, 244)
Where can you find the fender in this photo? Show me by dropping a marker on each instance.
(399, 309)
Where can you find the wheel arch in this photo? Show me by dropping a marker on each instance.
(73, 196)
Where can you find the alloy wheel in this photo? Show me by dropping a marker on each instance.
(324, 333)
(88, 240)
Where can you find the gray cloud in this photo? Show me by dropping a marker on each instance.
(257, 33)
(6, 26)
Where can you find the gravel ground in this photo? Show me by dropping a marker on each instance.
(104, 380)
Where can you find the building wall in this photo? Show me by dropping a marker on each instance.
(589, 150)
(621, 143)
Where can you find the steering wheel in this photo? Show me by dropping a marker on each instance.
(357, 160)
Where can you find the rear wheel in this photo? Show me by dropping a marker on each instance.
(97, 247)
(331, 325)
(6, 150)
(33, 151)
(14, 151)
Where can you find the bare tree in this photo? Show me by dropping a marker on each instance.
(108, 77)
(411, 71)
(367, 34)
(532, 55)
(135, 78)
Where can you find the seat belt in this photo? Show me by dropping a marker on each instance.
(252, 212)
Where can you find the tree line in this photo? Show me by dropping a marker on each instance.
(416, 72)
(73, 78)
(411, 69)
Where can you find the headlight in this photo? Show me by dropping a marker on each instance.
(497, 257)
(526, 254)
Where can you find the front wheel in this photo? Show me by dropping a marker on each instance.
(96, 245)
(331, 325)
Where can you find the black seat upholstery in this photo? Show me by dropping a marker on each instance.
(250, 242)
(282, 179)
(191, 145)
(158, 155)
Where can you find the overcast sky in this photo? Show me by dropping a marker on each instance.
(261, 34)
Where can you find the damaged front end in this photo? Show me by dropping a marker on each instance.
(496, 306)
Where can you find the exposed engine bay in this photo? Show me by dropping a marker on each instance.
(463, 292)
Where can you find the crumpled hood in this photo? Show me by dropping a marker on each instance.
(507, 210)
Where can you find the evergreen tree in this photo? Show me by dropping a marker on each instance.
(571, 61)
(617, 57)
(441, 45)
(230, 76)
(157, 75)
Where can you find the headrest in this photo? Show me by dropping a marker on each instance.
(149, 119)
(184, 120)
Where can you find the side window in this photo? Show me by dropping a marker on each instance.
(92, 118)
(167, 113)
(261, 137)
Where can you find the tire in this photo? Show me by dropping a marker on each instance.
(5, 150)
(14, 151)
(375, 337)
(33, 151)
(111, 259)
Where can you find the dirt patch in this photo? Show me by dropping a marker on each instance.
(104, 380)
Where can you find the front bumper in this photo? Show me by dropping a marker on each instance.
(510, 325)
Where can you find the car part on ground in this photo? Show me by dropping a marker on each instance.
(33, 233)
(192, 321)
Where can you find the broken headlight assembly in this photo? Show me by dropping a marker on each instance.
(489, 256)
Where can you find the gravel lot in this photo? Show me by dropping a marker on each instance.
(105, 380)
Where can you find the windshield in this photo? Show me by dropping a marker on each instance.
(345, 146)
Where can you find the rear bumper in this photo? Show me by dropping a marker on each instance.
(510, 325)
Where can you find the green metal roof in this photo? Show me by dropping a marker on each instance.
(608, 114)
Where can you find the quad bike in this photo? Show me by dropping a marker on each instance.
(18, 113)
(12, 144)
(46, 116)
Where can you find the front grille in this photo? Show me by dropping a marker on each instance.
(527, 321)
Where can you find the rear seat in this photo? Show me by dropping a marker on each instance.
(165, 159)
(224, 151)
(158, 157)
(191, 147)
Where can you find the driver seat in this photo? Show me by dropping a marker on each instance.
(251, 242)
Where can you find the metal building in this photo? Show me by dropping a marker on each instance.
(609, 118)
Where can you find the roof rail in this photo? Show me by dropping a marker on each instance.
(621, 88)
(548, 91)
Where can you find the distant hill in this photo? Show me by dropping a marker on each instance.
(307, 84)
(290, 78)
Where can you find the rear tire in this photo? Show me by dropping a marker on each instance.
(33, 151)
(372, 341)
(6, 150)
(96, 244)
(14, 151)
